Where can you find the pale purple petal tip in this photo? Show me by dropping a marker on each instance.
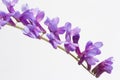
(9, 2)
(40, 16)
(98, 44)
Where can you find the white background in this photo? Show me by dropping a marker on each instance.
(23, 58)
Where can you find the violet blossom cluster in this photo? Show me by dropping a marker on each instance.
(31, 19)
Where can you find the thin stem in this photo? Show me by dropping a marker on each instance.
(59, 48)
(68, 53)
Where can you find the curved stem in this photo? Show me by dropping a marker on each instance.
(59, 48)
(68, 53)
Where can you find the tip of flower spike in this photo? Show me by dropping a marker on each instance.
(104, 66)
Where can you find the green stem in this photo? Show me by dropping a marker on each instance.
(68, 53)
(59, 48)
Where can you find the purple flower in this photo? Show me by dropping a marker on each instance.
(88, 54)
(27, 17)
(31, 19)
(53, 40)
(104, 66)
(10, 4)
(5, 18)
(53, 27)
(55, 31)
(31, 31)
(75, 39)
(71, 33)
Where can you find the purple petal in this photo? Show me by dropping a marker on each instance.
(75, 34)
(75, 31)
(109, 60)
(68, 31)
(89, 43)
(14, 2)
(27, 17)
(50, 36)
(6, 2)
(27, 32)
(2, 23)
(31, 31)
(68, 37)
(68, 26)
(61, 30)
(93, 52)
(40, 16)
(5, 18)
(104, 66)
(108, 69)
(55, 20)
(9, 2)
(53, 40)
(76, 38)
(52, 24)
(17, 15)
(25, 7)
(2, 19)
(92, 61)
(98, 44)
(10, 5)
(70, 46)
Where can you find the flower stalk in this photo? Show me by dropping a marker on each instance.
(61, 48)
(31, 18)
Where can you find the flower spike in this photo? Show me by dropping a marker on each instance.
(63, 37)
